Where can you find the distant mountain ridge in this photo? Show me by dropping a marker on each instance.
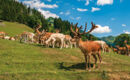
(108, 38)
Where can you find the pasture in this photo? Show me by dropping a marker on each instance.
(20, 61)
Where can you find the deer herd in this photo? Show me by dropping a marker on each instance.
(88, 48)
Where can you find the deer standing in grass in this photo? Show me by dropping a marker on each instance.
(127, 47)
(68, 41)
(88, 48)
(103, 45)
(27, 36)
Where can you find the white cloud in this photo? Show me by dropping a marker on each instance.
(113, 19)
(73, 8)
(38, 4)
(126, 32)
(82, 10)
(72, 18)
(124, 25)
(102, 29)
(95, 9)
(48, 14)
(77, 18)
(87, 2)
(61, 13)
(67, 13)
(104, 2)
(121, 0)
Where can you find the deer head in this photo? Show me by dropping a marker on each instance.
(77, 33)
(38, 26)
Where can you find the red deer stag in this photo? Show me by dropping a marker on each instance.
(41, 37)
(88, 48)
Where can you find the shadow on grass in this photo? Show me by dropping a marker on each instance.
(73, 66)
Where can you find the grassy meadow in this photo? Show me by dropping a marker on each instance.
(14, 28)
(20, 61)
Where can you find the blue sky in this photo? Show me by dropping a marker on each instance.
(112, 16)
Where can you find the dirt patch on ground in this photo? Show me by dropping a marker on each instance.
(74, 58)
(119, 76)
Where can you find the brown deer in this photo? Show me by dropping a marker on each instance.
(41, 37)
(121, 50)
(73, 41)
(115, 49)
(2, 34)
(68, 41)
(26, 36)
(45, 37)
(127, 47)
(88, 48)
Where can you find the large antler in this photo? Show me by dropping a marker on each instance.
(38, 26)
(76, 28)
(72, 29)
(92, 28)
(80, 28)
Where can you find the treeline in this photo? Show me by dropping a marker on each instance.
(117, 40)
(13, 11)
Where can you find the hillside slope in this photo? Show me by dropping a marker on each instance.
(19, 61)
(34, 62)
(14, 28)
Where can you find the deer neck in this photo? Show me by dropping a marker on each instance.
(37, 31)
(79, 42)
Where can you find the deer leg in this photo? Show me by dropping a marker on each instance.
(100, 59)
(70, 43)
(86, 62)
(62, 43)
(95, 60)
(102, 48)
(21, 39)
(75, 45)
(89, 62)
(53, 43)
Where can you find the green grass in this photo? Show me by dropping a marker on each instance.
(14, 28)
(34, 62)
(19, 61)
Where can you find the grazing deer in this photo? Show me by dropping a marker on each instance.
(73, 42)
(45, 36)
(41, 37)
(68, 40)
(121, 50)
(56, 37)
(115, 49)
(127, 47)
(6, 37)
(12, 38)
(26, 36)
(2, 34)
(103, 45)
(88, 48)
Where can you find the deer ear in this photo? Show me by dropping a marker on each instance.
(76, 24)
(92, 23)
(86, 23)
